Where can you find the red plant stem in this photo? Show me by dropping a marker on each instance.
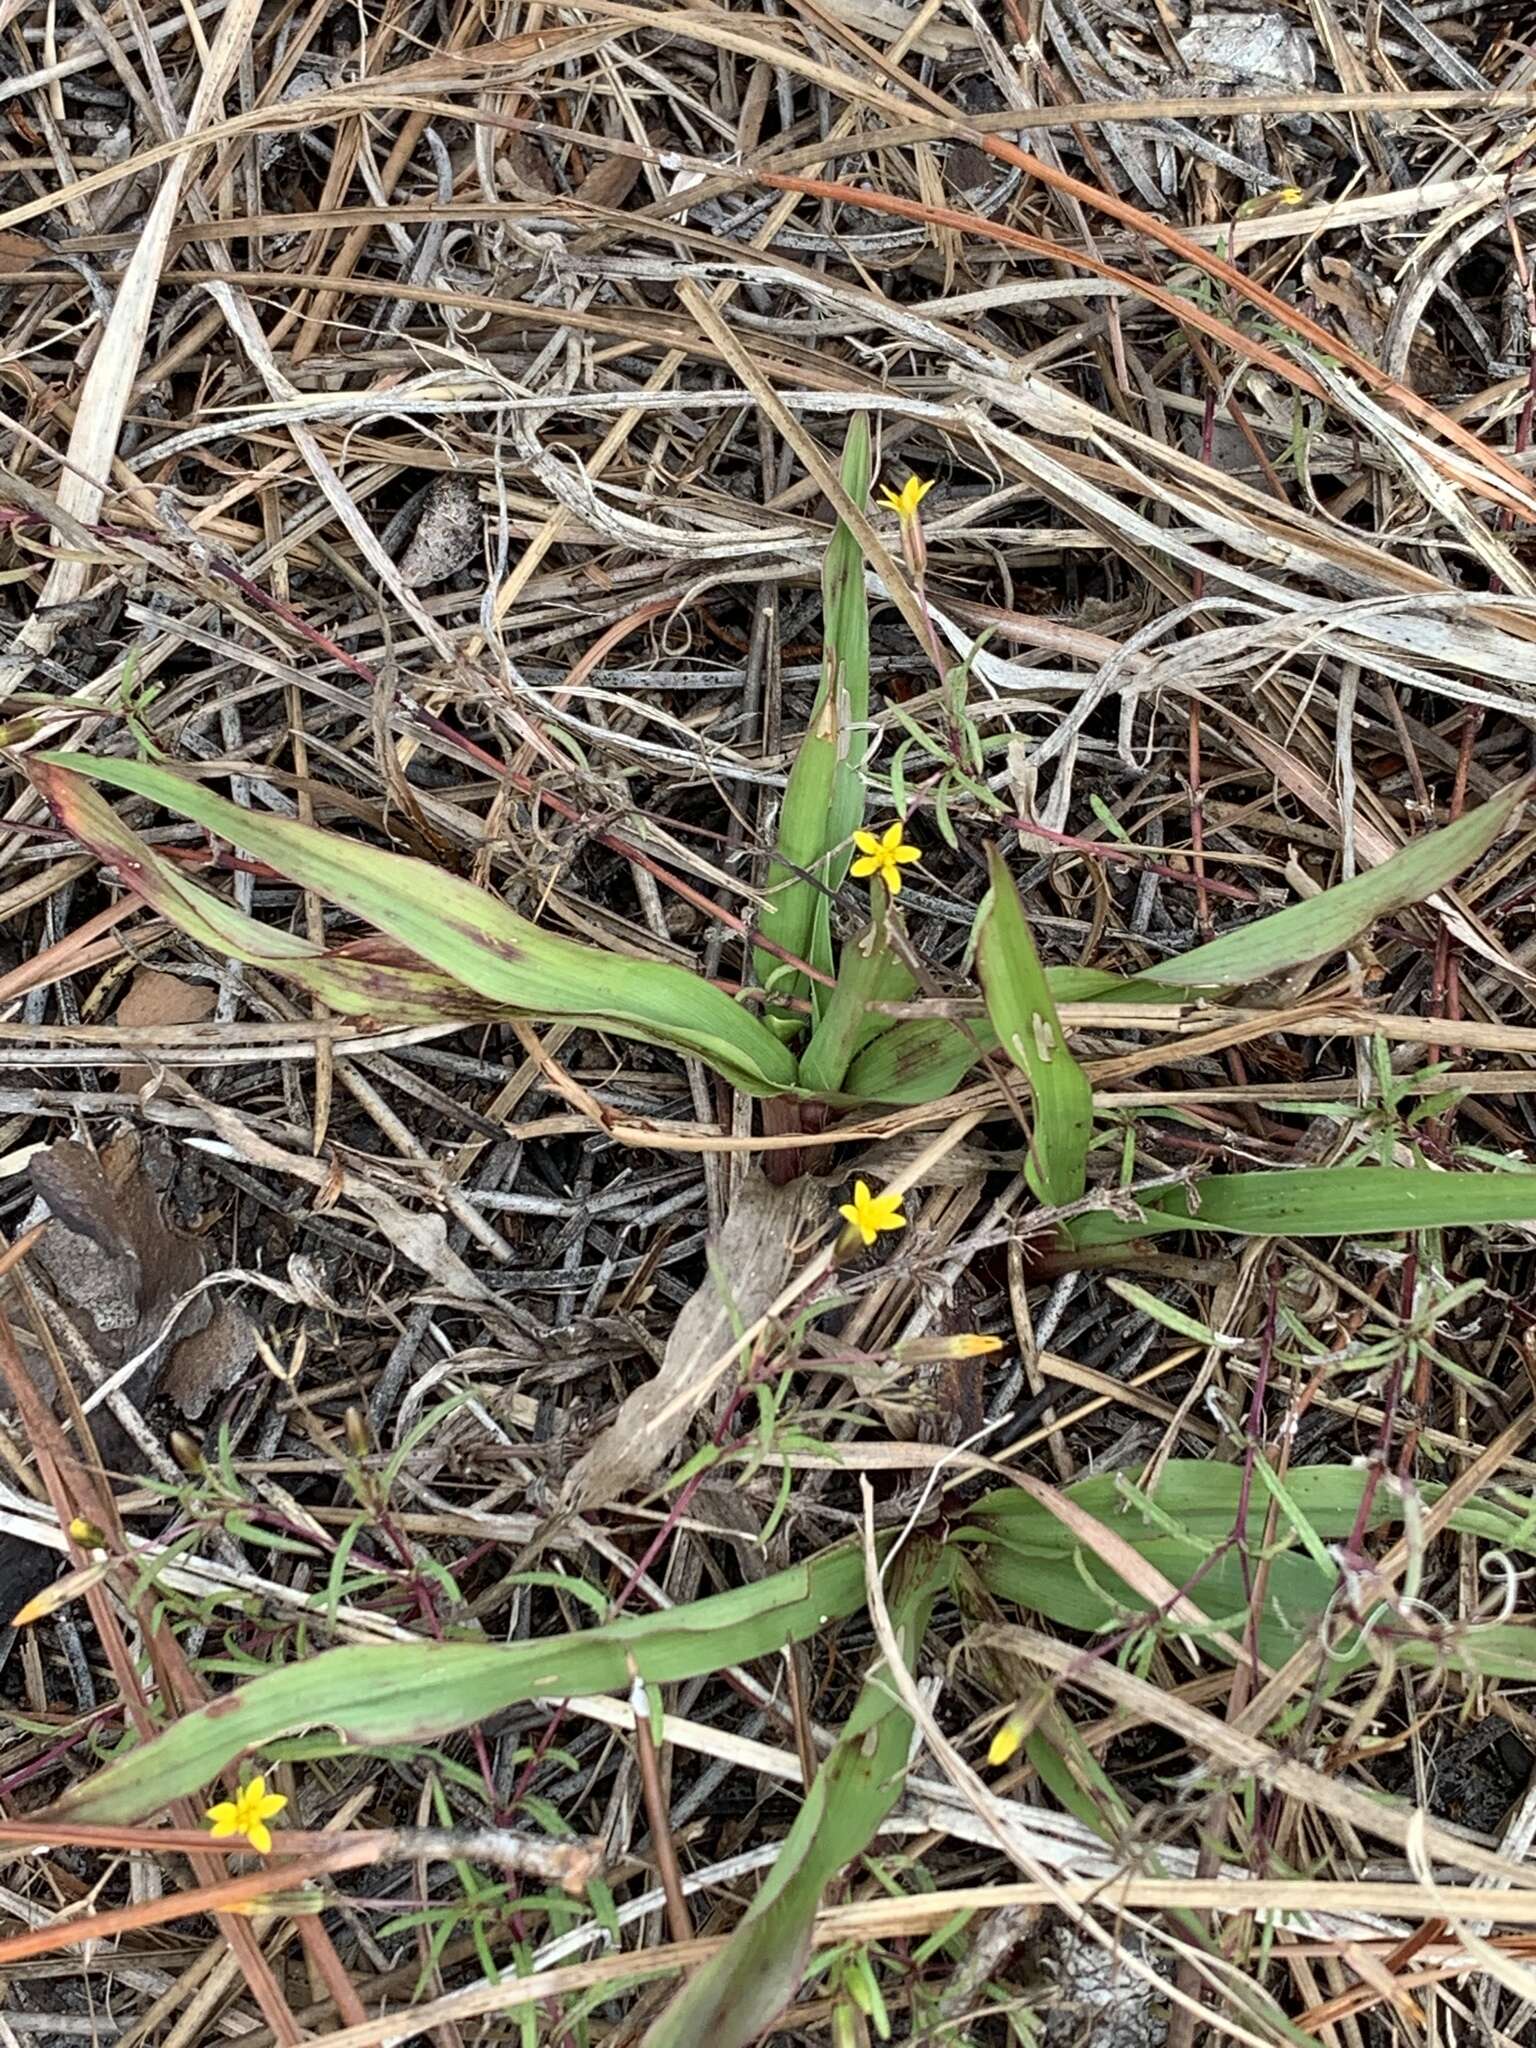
(1105, 850)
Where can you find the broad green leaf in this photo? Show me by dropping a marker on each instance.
(1024, 1017)
(1077, 1591)
(870, 972)
(824, 801)
(738, 1993)
(1026, 1556)
(1200, 1498)
(375, 1694)
(474, 937)
(1323, 1201)
(1330, 922)
(353, 984)
(918, 1060)
(922, 1058)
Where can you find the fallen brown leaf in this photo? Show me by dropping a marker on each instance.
(153, 999)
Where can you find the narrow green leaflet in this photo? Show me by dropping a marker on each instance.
(377, 1694)
(824, 802)
(739, 1992)
(1024, 1017)
(869, 973)
(1329, 922)
(353, 984)
(1323, 1201)
(474, 937)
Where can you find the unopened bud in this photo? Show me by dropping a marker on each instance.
(188, 1453)
(358, 1440)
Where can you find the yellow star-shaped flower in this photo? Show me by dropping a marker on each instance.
(904, 503)
(247, 1814)
(885, 856)
(870, 1214)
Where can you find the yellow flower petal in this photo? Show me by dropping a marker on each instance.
(866, 842)
(869, 1213)
(904, 503)
(1006, 1741)
(247, 1814)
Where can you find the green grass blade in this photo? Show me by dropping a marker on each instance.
(870, 973)
(739, 1992)
(474, 937)
(1330, 922)
(1325, 1201)
(378, 1694)
(824, 802)
(1024, 1017)
(353, 985)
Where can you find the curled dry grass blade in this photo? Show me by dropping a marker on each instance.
(1024, 1017)
(474, 937)
(824, 801)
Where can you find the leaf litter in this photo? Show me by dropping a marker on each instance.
(465, 440)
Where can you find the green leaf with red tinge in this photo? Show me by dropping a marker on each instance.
(472, 936)
(358, 983)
